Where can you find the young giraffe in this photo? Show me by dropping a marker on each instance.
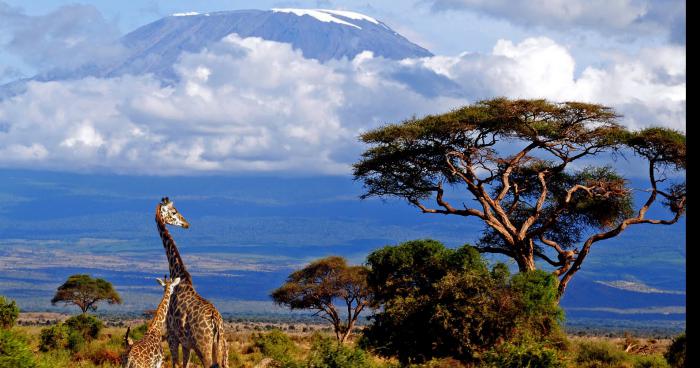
(192, 321)
(148, 352)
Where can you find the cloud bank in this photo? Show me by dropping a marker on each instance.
(250, 105)
(69, 37)
(636, 18)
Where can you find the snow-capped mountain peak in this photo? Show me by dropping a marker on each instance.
(326, 15)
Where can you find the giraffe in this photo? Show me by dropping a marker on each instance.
(192, 321)
(148, 352)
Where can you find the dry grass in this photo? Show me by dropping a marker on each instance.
(106, 350)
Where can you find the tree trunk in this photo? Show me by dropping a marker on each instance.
(525, 257)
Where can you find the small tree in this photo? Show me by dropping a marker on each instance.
(8, 312)
(86, 292)
(321, 283)
(520, 162)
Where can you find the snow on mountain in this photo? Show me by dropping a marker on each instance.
(320, 34)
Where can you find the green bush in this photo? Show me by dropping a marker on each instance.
(524, 355)
(75, 341)
(137, 333)
(14, 351)
(599, 354)
(54, 337)
(675, 355)
(8, 312)
(539, 308)
(278, 346)
(437, 302)
(650, 361)
(328, 353)
(87, 326)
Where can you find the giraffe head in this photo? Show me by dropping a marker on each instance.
(168, 284)
(170, 215)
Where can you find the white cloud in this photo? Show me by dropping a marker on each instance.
(254, 105)
(69, 37)
(540, 68)
(611, 17)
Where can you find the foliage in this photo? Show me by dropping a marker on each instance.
(538, 305)
(461, 308)
(328, 353)
(675, 355)
(278, 346)
(8, 312)
(319, 284)
(599, 354)
(14, 351)
(75, 341)
(86, 292)
(54, 337)
(524, 355)
(137, 333)
(650, 361)
(73, 334)
(88, 327)
(514, 163)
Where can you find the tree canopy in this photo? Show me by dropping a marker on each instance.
(526, 169)
(86, 292)
(459, 307)
(8, 312)
(318, 285)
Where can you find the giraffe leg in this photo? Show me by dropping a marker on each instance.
(204, 357)
(174, 346)
(222, 352)
(185, 357)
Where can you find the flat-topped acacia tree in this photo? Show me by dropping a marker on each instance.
(524, 168)
(86, 292)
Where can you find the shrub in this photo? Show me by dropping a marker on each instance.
(75, 341)
(328, 353)
(437, 302)
(87, 326)
(539, 309)
(650, 361)
(137, 333)
(599, 354)
(8, 312)
(53, 337)
(524, 355)
(105, 356)
(278, 346)
(14, 351)
(675, 355)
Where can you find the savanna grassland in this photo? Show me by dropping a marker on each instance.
(262, 344)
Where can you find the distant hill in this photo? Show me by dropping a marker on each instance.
(251, 232)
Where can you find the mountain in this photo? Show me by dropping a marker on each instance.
(319, 34)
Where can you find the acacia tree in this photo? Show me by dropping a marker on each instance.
(318, 285)
(512, 163)
(86, 292)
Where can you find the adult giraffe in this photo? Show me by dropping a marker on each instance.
(192, 321)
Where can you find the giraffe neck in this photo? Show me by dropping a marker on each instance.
(157, 324)
(175, 264)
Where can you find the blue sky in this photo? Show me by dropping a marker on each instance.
(629, 54)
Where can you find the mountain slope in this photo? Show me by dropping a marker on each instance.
(319, 34)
